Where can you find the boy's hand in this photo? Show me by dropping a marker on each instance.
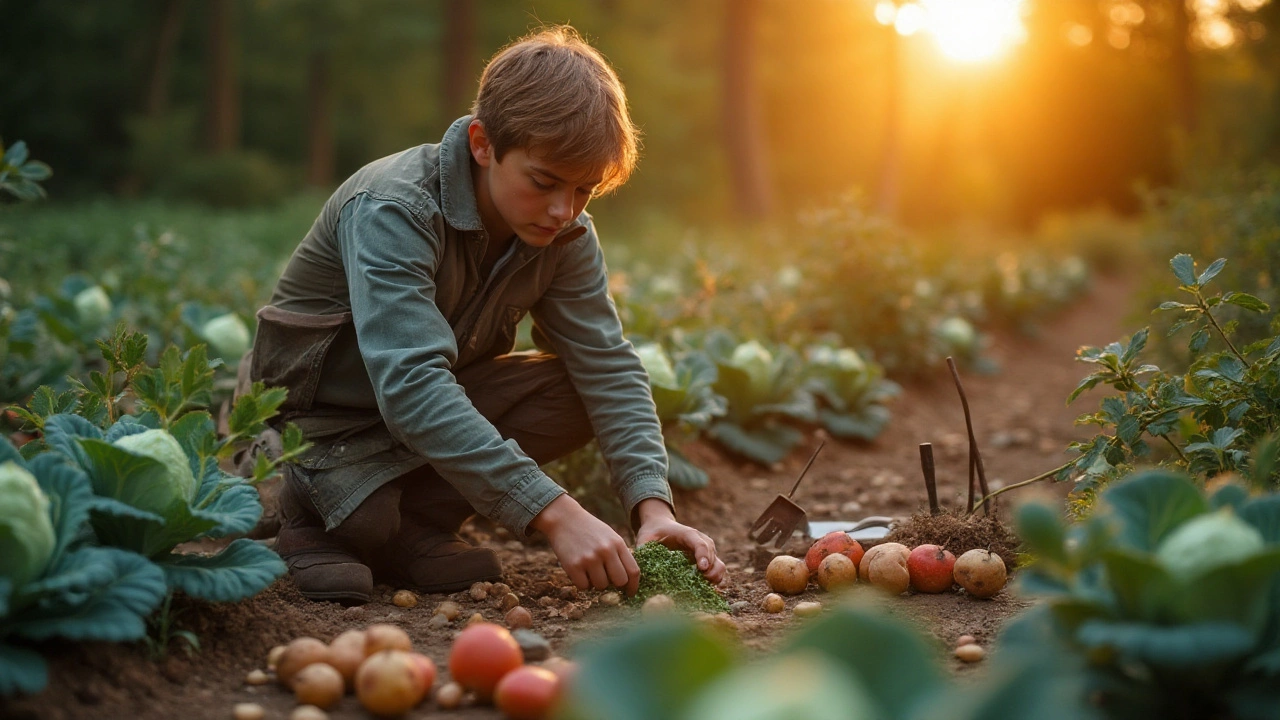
(589, 550)
(658, 522)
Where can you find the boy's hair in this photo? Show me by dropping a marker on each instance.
(551, 93)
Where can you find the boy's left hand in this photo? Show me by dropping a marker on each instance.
(658, 522)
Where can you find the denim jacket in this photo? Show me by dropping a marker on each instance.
(382, 302)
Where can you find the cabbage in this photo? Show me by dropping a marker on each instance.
(957, 333)
(658, 365)
(806, 684)
(27, 539)
(757, 362)
(93, 307)
(164, 448)
(789, 277)
(228, 335)
(1207, 542)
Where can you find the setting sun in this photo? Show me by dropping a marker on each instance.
(965, 30)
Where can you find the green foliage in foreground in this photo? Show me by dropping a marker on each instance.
(850, 664)
(1169, 596)
(664, 571)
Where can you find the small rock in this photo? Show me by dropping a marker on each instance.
(574, 612)
(308, 712)
(807, 609)
(437, 621)
(965, 640)
(740, 607)
(851, 507)
(773, 603)
(478, 592)
(404, 599)
(475, 618)
(498, 589)
(273, 657)
(519, 617)
(610, 599)
(970, 653)
(513, 545)
(248, 711)
(543, 589)
(534, 647)
(256, 677)
(450, 609)
(547, 601)
(722, 623)
(568, 592)
(509, 601)
(449, 696)
(657, 605)
(355, 612)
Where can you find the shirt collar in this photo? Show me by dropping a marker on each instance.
(457, 193)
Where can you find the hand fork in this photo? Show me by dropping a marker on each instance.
(783, 516)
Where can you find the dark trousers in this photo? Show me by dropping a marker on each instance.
(528, 398)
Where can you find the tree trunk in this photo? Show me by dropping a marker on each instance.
(319, 120)
(1183, 69)
(743, 125)
(224, 86)
(890, 169)
(161, 71)
(459, 57)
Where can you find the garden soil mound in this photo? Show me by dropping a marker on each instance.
(1022, 424)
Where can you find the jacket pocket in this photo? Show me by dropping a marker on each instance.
(289, 350)
(506, 324)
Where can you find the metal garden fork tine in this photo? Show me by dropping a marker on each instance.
(783, 516)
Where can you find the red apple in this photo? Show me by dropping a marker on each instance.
(930, 568)
(837, 541)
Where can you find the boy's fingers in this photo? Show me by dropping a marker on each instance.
(617, 573)
(599, 578)
(633, 572)
(577, 577)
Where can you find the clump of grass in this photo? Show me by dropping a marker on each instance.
(664, 571)
(959, 532)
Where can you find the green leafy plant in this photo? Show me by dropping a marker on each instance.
(664, 571)
(763, 387)
(686, 404)
(850, 391)
(1208, 417)
(851, 664)
(1170, 596)
(20, 176)
(54, 583)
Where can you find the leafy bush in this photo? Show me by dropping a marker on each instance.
(1168, 595)
(21, 176)
(230, 180)
(686, 404)
(1227, 402)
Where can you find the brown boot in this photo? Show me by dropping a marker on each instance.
(322, 567)
(435, 561)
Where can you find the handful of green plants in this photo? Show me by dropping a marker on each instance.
(664, 571)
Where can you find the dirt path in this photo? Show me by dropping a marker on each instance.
(1022, 424)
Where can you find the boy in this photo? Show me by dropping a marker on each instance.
(392, 327)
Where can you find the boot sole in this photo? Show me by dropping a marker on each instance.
(344, 598)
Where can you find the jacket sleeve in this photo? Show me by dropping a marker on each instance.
(408, 347)
(578, 317)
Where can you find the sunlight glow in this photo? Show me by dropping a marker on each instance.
(911, 18)
(975, 30)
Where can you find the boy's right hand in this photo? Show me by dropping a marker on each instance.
(589, 550)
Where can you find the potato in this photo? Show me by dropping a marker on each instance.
(773, 603)
(519, 617)
(391, 682)
(807, 609)
(319, 684)
(610, 599)
(404, 599)
(888, 571)
(256, 677)
(970, 653)
(965, 640)
(346, 652)
(308, 712)
(273, 657)
(980, 572)
(864, 566)
(248, 711)
(836, 571)
(787, 575)
(299, 653)
(384, 636)
(449, 609)
(449, 696)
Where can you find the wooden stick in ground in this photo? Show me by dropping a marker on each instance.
(930, 486)
(972, 477)
(975, 453)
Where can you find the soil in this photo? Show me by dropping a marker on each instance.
(1022, 426)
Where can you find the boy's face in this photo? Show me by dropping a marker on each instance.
(526, 194)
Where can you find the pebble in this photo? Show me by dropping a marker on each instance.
(355, 612)
(574, 612)
(450, 609)
(851, 507)
(807, 609)
(773, 603)
(509, 601)
(610, 599)
(966, 640)
(547, 601)
(657, 605)
(404, 599)
(449, 696)
(248, 711)
(257, 677)
(740, 607)
(437, 621)
(478, 592)
(308, 712)
(568, 592)
(970, 653)
(273, 657)
(534, 647)
(513, 545)
(475, 618)
(498, 589)
(518, 617)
